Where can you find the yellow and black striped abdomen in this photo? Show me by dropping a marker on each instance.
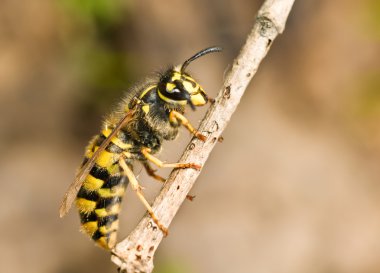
(99, 198)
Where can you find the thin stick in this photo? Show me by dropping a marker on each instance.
(135, 253)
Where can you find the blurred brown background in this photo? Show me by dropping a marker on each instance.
(293, 188)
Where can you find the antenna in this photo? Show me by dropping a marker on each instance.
(200, 54)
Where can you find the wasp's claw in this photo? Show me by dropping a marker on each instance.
(200, 136)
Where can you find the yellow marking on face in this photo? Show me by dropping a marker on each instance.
(145, 108)
(91, 183)
(170, 86)
(180, 102)
(90, 227)
(115, 140)
(189, 87)
(115, 191)
(85, 206)
(198, 99)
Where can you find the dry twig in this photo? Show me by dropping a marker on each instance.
(135, 253)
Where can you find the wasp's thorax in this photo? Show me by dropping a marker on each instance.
(180, 88)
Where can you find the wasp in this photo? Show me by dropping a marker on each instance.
(150, 113)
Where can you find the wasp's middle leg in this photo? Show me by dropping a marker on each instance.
(159, 163)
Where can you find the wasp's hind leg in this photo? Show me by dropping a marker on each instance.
(176, 117)
(137, 188)
(159, 163)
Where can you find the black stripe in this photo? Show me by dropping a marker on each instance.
(88, 217)
(107, 220)
(104, 203)
(100, 173)
(97, 235)
(88, 195)
(114, 180)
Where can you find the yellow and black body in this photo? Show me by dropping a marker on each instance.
(158, 106)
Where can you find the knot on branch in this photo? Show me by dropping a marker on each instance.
(268, 28)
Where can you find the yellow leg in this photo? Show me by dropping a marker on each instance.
(176, 117)
(137, 188)
(159, 163)
(151, 172)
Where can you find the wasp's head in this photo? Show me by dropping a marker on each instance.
(178, 88)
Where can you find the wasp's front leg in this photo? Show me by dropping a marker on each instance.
(159, 163)
(176, 117)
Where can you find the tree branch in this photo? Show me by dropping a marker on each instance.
(135, 253)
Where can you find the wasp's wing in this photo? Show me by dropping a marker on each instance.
(72, 192)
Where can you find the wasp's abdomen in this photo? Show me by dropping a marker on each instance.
(99, 198)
